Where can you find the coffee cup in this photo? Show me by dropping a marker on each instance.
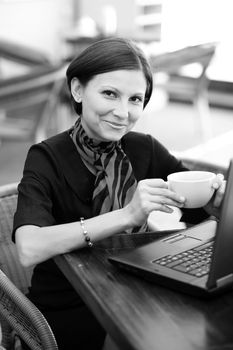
(195, 186)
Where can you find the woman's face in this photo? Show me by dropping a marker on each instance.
(112, 103)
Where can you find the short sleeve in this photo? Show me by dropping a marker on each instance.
(34, 205)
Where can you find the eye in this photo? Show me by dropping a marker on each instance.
(137, 99)
(109, 93)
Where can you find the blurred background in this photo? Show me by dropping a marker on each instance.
(189, 46)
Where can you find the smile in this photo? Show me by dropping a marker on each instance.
(116, 125)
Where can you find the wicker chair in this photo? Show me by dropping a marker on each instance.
(17, 313)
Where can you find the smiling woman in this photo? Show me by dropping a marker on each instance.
(111, 103)
(92, 181)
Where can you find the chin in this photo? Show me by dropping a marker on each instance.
(114, 137)
(109, 134)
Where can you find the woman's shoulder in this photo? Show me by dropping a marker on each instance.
(57, 141)
(138, 141)
(146, 151)
(56, 152)
(53, 146)
(139, 148)
(134, 136)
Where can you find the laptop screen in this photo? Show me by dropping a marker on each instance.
(222, 264)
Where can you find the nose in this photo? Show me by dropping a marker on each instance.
(121, 110)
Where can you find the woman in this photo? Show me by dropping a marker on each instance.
(92, 181)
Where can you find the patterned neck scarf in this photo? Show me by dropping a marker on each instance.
(115, 183)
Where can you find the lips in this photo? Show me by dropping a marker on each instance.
(115, 125)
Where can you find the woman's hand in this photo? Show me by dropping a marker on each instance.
(219, 186)
(152, 194)
(215, 202)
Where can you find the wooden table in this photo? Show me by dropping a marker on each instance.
(140, 315)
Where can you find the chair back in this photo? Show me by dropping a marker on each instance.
(9, 261)
(18, 315)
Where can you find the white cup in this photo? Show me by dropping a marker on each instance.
(194, 186)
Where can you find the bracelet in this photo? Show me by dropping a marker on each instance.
(85, 233)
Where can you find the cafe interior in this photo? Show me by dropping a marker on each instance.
(189, 47)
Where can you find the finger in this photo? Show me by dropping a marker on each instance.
(220, 176)
(219, 195)
(164, 208)
(163, 192)
(160, 207)
(218, 181)
(163, 200)
(155, 183)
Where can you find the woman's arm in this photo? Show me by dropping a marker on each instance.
(36, 244)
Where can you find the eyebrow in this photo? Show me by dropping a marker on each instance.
(142, 94)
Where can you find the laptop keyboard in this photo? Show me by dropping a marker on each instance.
(195, 261)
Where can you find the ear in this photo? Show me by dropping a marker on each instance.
(76, 90)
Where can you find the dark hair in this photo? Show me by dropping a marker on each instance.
(105, 56)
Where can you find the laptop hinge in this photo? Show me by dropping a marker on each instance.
(225, 280)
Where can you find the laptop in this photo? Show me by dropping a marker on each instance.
(197, 260)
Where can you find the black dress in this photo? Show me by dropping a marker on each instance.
(57, 188)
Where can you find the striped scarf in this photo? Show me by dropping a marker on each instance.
(115, 183)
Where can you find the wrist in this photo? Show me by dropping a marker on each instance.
(127, 217)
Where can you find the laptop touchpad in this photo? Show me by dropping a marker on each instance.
(179, 238)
